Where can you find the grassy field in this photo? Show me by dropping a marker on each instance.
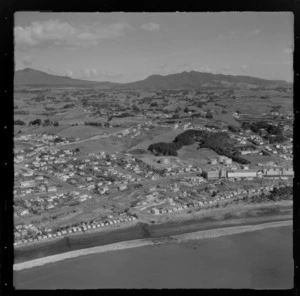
(168, 136)
(80, 132)
(260, 158)
(94, 146)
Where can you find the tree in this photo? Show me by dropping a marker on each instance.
(176, 116)
(19, 122)
(186, 110)
(46, 122)
(135, 108)
(233, 129)
(208, 115)
(55, 123)
(35, 122)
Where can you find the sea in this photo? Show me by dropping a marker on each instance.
(260, 259)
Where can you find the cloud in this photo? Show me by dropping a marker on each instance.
(56, 33)
(255, 32)
(26, 61)
(205, 69)
(87, 73)
(151, 27)
(95, 74)
(69, 73)
(225, 68)
(244, 68)
(278, 63)
(288, 50)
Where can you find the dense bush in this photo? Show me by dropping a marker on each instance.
(276, 139)
(256, 126)
(19, 122)
(35, 122)
(68, 106)
(218, 142)
(49, 108)
(200, 104)
(163, 148)
(209, 115)
(233, 129)
(135, 108)
(21, 112)
(94, 123)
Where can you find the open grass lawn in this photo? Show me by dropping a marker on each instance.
(80, 132)
(191, 153)
(94, 146)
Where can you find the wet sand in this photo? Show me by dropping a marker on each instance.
(258, 257)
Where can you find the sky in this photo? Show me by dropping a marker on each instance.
(126, 47)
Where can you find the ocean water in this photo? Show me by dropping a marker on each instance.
(257, 260)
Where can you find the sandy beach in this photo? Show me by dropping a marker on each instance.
(179, 225)
(144, 242)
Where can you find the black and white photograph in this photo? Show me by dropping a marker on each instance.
(153, 150)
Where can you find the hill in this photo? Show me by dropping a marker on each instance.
(185, 80)
(196, 80)
(36, 78)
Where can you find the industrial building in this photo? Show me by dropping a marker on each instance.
(223, 173)
(211, 174)
(242, 174)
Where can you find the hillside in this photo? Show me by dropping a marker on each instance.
(32, 77)
(196, 80)
(184, 80)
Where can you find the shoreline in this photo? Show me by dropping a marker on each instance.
(131, 224)
(203, 234)
(143, 229)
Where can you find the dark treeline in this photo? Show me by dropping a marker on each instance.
(218, 142)
(102, 124)
(257, 126)
(19, 122)
(274, 133)
(45, 123)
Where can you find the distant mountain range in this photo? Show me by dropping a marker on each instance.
(184, 80)
(36, 78)
(196, 80)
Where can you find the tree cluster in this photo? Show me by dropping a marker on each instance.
(163, 149)
(233, 129)
(19, 122)
(208, 115)
(35, 122)
(68, 106)
(257, 126)
(218, 142)
(102, 124)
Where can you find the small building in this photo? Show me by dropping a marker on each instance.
(211, 174)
